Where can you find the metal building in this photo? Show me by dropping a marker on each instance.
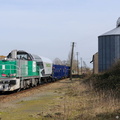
(95, 63)
(109, 48)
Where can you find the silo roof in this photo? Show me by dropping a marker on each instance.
(115, 31)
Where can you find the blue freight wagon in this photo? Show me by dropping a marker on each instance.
(60, 71)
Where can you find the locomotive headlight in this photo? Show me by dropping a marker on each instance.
(4, 75)
(12, 75)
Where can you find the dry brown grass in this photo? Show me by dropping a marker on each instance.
(66, 100)
(80, 102)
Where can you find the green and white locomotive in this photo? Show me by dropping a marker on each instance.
(21, 70)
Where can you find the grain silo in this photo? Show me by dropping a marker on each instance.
(109, 48)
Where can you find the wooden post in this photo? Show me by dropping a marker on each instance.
(71, 61)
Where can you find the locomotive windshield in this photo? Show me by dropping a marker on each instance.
(21, 55)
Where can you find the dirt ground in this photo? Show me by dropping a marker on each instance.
(62, 100)
(35, 104)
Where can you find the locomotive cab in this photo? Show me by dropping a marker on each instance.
(20, 55)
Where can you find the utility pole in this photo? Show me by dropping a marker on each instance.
(77, 64)
(71, 60)
(81, 65)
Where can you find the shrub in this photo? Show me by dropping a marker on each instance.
(109, 80)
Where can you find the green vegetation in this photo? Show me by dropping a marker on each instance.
(107, 82)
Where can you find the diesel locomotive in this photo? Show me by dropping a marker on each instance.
(21, 70)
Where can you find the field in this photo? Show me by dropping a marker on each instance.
(62, 100)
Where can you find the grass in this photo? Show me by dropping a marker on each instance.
(80, 102)
(76, 100)
(107, 81)
(106, 86)
(89, 105)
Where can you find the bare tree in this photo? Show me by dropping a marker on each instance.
(64, 62)
(86, 69)
(84, 64)
(74, 66)
(57, 61)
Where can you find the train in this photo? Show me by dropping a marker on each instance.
(21, 70)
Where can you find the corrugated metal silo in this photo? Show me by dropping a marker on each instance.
(109, 48)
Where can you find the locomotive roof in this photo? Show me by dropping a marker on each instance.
(44, 59)
(33, 56)
(41, 59)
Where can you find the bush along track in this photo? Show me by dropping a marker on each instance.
(107, 82)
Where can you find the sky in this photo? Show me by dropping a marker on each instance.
(48, 27)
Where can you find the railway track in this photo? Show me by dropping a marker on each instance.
(10, 96)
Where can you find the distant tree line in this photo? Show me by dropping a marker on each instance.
(76, 64)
